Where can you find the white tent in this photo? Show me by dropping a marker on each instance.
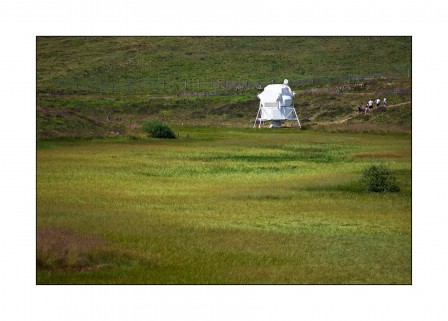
(276, 105)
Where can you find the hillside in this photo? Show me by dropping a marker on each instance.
(109, 85)
(217, 58)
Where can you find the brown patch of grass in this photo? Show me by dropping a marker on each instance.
(62, 249)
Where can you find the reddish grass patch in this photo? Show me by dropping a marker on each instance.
(62, 249)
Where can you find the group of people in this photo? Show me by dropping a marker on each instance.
(369, 105)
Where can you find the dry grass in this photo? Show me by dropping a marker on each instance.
(62, 249)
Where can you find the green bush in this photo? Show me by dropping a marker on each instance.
(158, 129)
(378, 178)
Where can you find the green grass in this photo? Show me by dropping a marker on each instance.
(140, 60)
(224, 205)
(87, 115)
(108, 86)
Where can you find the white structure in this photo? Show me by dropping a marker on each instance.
(276, 105)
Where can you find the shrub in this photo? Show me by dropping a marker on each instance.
(158, 129)
(378, 178)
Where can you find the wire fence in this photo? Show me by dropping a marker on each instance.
(201, 87)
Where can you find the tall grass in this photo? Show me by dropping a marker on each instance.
(228, 206)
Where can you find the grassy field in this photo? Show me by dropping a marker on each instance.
(223, 206)
(224, 203)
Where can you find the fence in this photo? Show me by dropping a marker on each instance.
(197, 87)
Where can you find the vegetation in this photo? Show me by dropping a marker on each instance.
(158, 129)
(224, 203)
(101, 116)
(142, 60)
(379, 178)
(223, 206)
(108, 86)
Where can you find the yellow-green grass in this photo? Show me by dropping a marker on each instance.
(221, 206)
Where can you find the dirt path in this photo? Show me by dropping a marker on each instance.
(346, 118)
(398, 105)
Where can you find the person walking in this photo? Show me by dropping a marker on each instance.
(370, 104)
(378, 103)
(384, 102)
(360, 108)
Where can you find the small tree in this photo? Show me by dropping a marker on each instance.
(158, 129)
(378, 178)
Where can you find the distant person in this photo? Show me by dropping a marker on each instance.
(378, 103)
(384, 102)
(360, 108)
(370, 104)
(366, 108)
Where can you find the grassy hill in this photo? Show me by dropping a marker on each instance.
(108, 85)
(217, 58)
